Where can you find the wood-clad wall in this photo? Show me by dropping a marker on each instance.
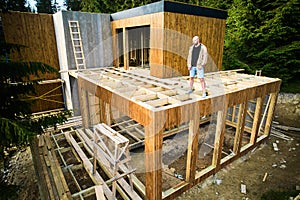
(178, 34)
(155, 21)
(36, 33)
(170, 37)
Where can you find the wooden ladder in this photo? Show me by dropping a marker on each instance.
(77, 45)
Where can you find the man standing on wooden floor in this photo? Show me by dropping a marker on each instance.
(196, 61)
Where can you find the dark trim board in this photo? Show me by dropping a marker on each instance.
(189, 9)
(168, 6)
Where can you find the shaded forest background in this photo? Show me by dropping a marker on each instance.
(260, 34)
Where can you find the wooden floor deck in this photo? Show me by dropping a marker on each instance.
(147, 109)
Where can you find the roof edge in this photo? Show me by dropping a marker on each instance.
(169, 6)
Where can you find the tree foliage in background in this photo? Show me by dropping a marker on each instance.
(15, 5)
(73, 5)
(47, 6)
(110, 6)
(16, 123)
(261, 35)
(264, 35)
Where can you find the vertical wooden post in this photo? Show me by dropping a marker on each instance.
(115, 45)
(219, 138)
(83, 98)
(240, 127)
(108, 113)
(192, 148)
(270, 113)
(256, 119)
(153, 155)
(142, 47)
(125, 48)
(233, 113)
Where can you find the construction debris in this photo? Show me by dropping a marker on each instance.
(275, 147)
(265, 177)
(243, 188)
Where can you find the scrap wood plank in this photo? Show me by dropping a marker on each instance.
(89, 167)
(286, 128)
(99, 192)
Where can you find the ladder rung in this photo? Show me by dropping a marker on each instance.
(79, 58)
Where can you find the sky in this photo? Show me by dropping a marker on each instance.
(33, 2)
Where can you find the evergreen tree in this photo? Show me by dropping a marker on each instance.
(264, 35)
(15, 5)
(16, 123)
(110, 6)
(47, 6)
(74, 5)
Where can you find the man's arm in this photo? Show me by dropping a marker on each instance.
(205, 55)
(189, 59)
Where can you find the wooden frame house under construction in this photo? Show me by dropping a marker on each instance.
(136, 133)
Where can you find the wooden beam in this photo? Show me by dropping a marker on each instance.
(83, 99)
(192, 153)
(239, 131)
(219, 138)
(153, 155)
(270, 113)
(256, 120)
(99, 192)
(233, 113)
(125, 49)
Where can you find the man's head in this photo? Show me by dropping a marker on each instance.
(195, 40)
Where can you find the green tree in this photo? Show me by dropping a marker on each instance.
(47, 6)
(74, 5)
(264, 35)
(110, 6)
(15, 5)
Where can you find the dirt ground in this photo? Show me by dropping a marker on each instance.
(282, 170)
